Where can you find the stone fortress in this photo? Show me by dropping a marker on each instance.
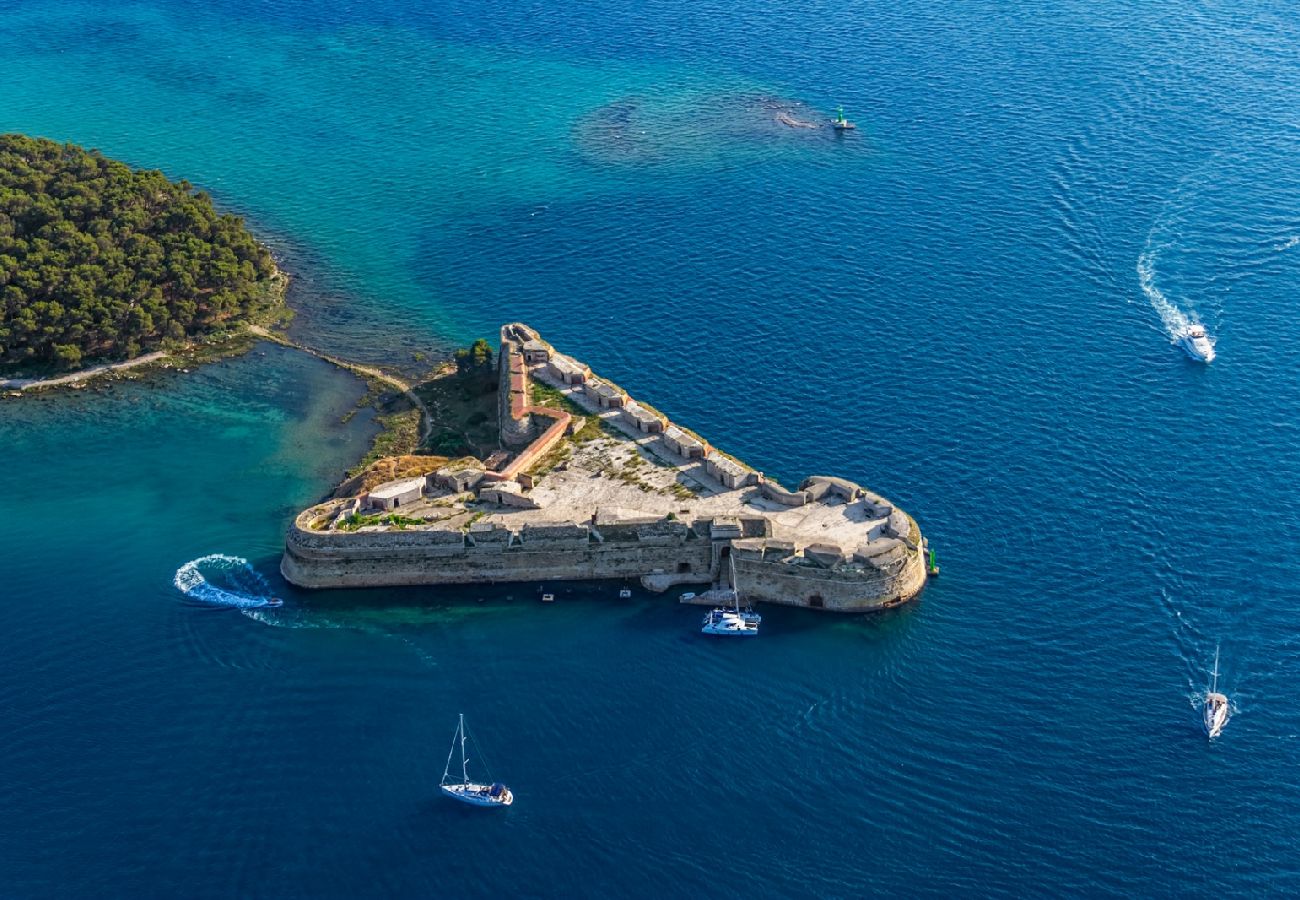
(611, 490)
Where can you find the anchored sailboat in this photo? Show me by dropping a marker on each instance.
(1216, 704)
(733, 621)
(466, 791)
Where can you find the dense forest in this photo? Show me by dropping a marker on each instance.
(99, 260)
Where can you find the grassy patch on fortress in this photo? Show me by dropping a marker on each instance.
(592, 426)
(354, 522)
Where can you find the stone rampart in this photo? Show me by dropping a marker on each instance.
(772, 575)
(767, 570)
(331, 559)
(778, 494)
(518, 416)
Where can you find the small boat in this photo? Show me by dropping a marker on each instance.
(733, 621)
(839, 123)
(625, 594)
(1216, 704)
(686, 597)
(466, 791)
(548, 598)
(1194, 340)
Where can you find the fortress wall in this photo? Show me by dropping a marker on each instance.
(818, 486)
(372, 560)
(778, 494)
(515, 409)
(512, 392)
(771, 581)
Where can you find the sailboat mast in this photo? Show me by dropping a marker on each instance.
(735, 588)
(1214, 687)
(464, 764)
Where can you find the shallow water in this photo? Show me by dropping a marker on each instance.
(946, 305)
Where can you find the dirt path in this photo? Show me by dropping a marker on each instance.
(426, 420)
(27, 384)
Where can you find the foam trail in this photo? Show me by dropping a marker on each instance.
(1174, 319)
(223, 580)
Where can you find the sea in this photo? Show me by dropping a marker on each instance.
(967, 304)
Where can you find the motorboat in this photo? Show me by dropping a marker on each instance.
(475, 794)
(548, 598)
(1196, 342)
(686, 597)
(1216, 704)
(625, 594)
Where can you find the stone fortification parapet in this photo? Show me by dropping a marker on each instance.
(819, 486)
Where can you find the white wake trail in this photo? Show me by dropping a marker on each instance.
(1174, 319)
(223, 580)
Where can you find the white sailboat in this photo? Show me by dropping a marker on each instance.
(466, 791)
(1216, 704)
(733, 621)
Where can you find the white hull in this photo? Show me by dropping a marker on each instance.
(478, 794)
(1197, 345)
(1216, 714)
(730, 624)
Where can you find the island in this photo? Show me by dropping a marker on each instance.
(100, 262)
(590, 484)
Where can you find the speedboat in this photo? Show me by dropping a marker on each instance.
(1196, 342)
(728, 622)
(464, 790)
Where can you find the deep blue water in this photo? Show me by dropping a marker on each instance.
(965, 305)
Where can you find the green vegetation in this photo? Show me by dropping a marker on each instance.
(462, 408)
(560, 453)
(99, 260)
(592, 426)
(475, 359)
(399, 424)
(353, 522)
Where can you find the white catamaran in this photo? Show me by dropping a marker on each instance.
(466, 791)
(1216, 704)
(733, 621)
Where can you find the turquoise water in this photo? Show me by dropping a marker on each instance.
(966, 304)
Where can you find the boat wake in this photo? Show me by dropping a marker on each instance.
(1175, 320)
(221, 580)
